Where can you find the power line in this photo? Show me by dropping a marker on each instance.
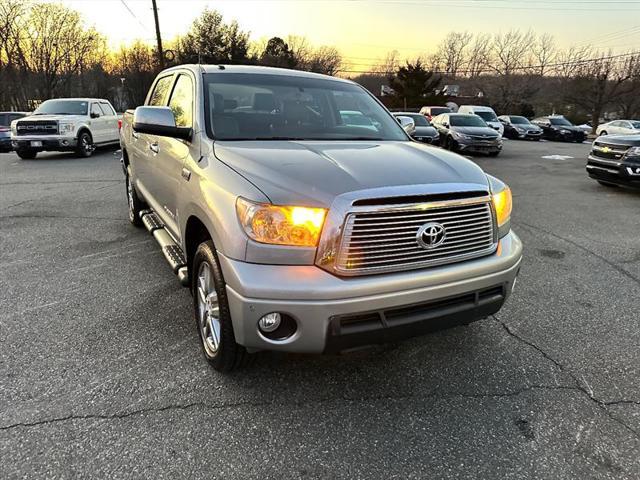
(134, 15)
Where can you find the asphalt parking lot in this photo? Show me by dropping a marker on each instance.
(101, 373)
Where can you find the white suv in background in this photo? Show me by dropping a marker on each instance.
(486, 113)
(66, 124)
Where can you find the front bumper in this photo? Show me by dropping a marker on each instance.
(318, 300)
(625, 172)
(55, 143)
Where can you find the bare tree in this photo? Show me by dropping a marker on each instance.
(544, 51)
(600, 82)
(479, 55)
(389, 65)
(452, 52)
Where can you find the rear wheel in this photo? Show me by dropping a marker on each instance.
(85, 145)
(26, 153)
(212, 314)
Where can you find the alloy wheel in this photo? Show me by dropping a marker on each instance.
(208, 310)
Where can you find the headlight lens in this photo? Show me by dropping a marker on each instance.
(281, 225)
(14, 127)
(460, 136)
(633, 152)
(503, 204)
(66, 127)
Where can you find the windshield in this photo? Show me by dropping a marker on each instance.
(487, 116)
(245, 106)
(418, 119)
(434, 111)
(635, 125)
(62, 107)
(560, 121)
(519, 121)
(467, 121)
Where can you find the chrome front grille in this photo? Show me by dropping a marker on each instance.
(386, 239)
(38, 127)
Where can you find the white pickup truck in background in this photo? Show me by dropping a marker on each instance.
(66, 124)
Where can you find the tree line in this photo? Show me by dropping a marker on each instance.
(47, 51)
(518, 72)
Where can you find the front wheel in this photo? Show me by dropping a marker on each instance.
(212, 314)
(85, 145)
(26, 153)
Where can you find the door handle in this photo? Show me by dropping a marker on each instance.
(154, 147)
(135, 134)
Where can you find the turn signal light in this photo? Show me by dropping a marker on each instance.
(503, 204)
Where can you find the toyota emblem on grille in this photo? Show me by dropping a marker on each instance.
(430, 235)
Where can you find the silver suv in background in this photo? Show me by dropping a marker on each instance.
(66, 124)
(299, 229)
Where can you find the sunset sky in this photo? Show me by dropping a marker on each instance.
(365, 30)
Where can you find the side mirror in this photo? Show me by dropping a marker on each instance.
(94, 115)
(159, 121)
(408, 124)
(445, 125)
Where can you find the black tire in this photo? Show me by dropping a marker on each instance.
(85, 145)
(450, 144)
(494, 154)
(134, 203)
(26, 153)
(228, 355)
(607, 184)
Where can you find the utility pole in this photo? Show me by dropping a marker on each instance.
(158, 37)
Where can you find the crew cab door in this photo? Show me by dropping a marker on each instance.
(143, 159)
(97, 123)
(110, 122)
(169, 154)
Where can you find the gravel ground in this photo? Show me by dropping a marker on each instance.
(101, 374)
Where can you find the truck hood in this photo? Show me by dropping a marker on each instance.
(477, 131)
(313, 173)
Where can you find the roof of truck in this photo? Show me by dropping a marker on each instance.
(254, 69)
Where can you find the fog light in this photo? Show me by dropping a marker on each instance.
(270, 322)
(633, 171)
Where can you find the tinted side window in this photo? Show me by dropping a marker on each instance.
(181, 102)
(160, 91)
(4, 120)
(103, 110)
(107, 109)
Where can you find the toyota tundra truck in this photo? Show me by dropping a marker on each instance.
(297, 231)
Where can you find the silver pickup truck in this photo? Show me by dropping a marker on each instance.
(297, 230)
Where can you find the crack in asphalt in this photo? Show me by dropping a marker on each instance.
(579, 385)
(206, 406)
(613, 265)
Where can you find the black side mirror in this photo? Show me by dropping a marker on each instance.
(159, 121)
(95, 115)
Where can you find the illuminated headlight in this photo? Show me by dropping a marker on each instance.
(65, 128)
(502, 204)
(633, 152)
(281, 225)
